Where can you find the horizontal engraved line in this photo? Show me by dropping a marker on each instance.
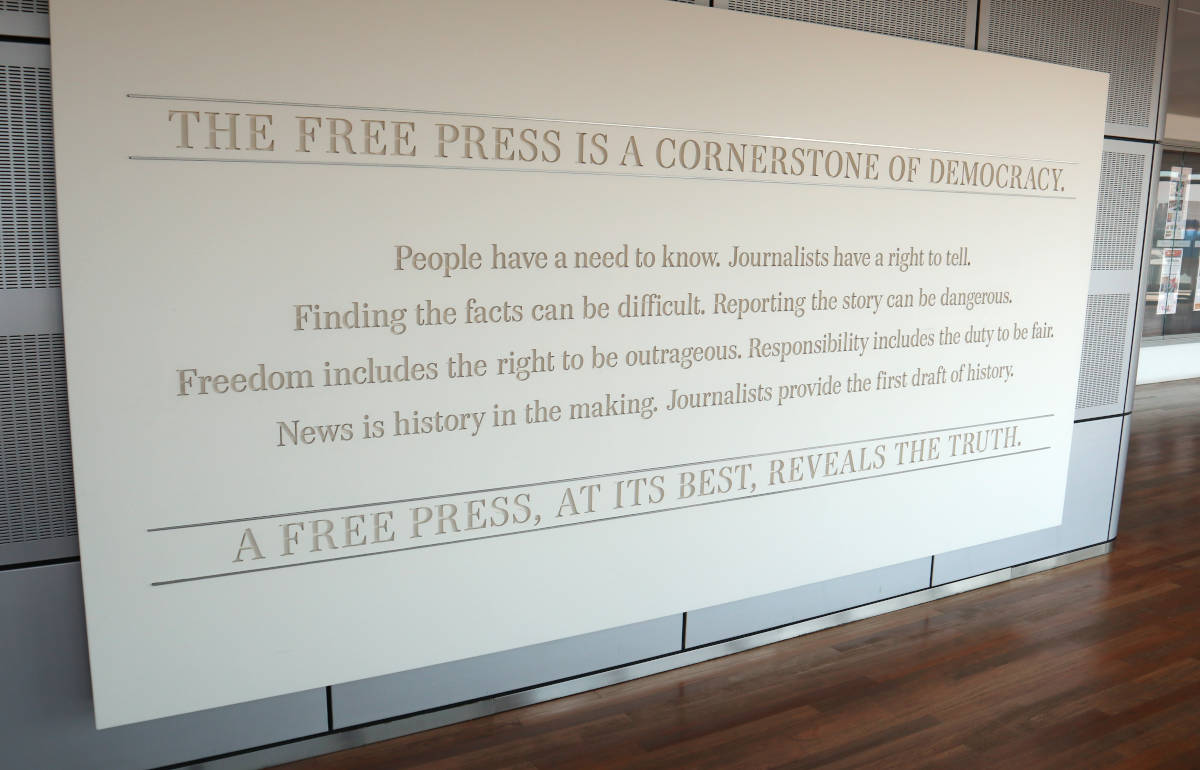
(626, 175)
(573, 479)
(711, 131)
(593, 521)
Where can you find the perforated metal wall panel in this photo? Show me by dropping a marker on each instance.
(37, 505)
(25, 6)
(29, 228)
(1116, 269)
(951, 22)
(1124, 38)
(37, 501)
(1120, 210)
(1105, 348)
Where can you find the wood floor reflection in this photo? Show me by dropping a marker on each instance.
(1092, 665)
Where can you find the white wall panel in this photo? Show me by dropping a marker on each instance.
(179, 540)
(1170, 361)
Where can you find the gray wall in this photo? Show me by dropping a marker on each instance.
(45, 702)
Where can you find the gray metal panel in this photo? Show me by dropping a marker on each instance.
(1104, 359)
(726, 621)
(1113, 306)
(29, 230)
(46, 717)
(29, 551)
(37, 506)
(368, 700)
(1122, 462)
(1164, 86)
(37, 495)
(23, 54)
(1091, 480)
(1125, 172)
(1144, 275)
(1124, 38)
(951, 22)
(30, 311)
(25, 18)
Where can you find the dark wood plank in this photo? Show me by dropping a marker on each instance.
(1094, 665)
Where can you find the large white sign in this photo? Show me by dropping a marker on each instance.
(399, 333)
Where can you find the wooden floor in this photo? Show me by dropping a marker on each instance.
(1092, 665)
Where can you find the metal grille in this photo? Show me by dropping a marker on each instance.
(936, 21)
(25, 6)
(1119, 37)
(29, 229)
(1119, 211)
(1105, 340)
(37, 501)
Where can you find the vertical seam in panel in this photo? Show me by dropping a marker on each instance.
(683, 634)
(329, 706)
(931, 559)
(978, 15)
